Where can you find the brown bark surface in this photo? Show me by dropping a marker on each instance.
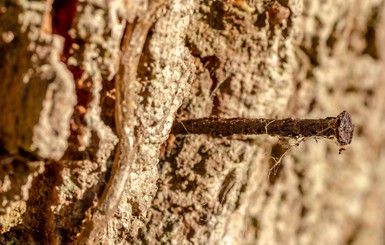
(90, 90)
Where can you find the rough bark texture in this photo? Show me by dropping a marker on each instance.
(90, 90)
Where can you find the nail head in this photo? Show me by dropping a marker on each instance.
(345, 128)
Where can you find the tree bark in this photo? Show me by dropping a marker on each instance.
(90, 91)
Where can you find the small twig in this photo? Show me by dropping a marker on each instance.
(339, 127)
(132, 45)
(227, 185)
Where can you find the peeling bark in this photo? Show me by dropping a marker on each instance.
(90, 90)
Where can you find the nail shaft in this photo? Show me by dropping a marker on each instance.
(340, 127)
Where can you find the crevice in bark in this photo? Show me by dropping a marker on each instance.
(63, 13)
(370, 35)
(211, 63)
(39, 219)
(215, 17)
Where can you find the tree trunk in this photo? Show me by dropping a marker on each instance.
(90, 90)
